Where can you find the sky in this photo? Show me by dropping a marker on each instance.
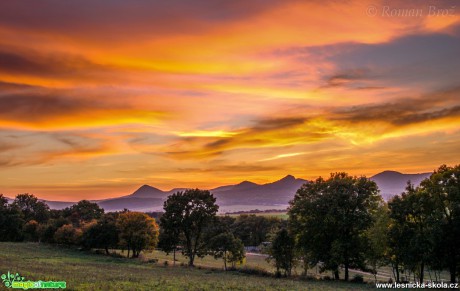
(100, 97)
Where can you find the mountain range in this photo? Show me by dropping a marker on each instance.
(245, 195)
(394, 183)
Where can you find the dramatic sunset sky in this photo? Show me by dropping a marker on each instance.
(100, 97)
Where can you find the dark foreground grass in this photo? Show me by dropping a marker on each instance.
(85, 271)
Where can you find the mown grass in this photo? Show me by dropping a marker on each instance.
(85, 271)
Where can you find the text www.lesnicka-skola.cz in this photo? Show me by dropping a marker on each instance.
(427, 285)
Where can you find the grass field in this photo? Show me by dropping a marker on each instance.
(260, 262)
(85, 271)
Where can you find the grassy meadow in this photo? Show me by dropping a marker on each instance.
(86, 271)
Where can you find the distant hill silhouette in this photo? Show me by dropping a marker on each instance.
(394, 183)
(245, 195)
(276, 193)
(145, 198)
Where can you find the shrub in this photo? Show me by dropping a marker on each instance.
(254, 271)
(116, 255)
(67, 235)
(30, 230)
(357, 279)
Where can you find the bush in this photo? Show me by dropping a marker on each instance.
(30, 230)
(116, 255)
(254, 271)
(67, 235)
(310, 277)
(357, 279)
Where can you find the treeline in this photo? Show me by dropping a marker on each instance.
(189, 224)
(337, 223)
(84, 224)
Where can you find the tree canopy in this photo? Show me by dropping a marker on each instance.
(138, 231)
(189, 211)
(329, 217)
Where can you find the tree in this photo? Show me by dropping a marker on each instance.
(67, 235)
(101, 234)
(329, 218)
(10, 221)
(282, 251)
(30, 231)
(138, 232)
(377, 234)
(84, 211)
(170, 236)
(46, 231)
(31, 208)
(190, 211)
(254, 229)
(169, 240)
(443, 186)
(411, 238)
(229, 248)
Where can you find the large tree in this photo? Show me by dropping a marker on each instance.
(330, 217)
(102, 234)
(190, 211)
(138, 231)
(10, 221)
(443, 188)
(31, 208)
(413, 218)
(84, 211)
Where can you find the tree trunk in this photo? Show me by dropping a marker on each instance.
(452, 275)
(305, 267)
(225, 261)
(174, 256)
(422, 267)
(106, 250)
(452, 270)
(346, 271)
(336, 274)
(128, 252)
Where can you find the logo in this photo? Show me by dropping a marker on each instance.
(16, 281)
